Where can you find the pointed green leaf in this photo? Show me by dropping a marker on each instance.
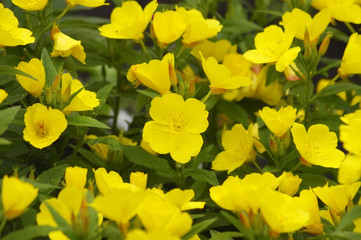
(9, 70)
(85, 121)
(6, 117)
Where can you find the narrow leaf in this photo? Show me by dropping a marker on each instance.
(6, 117)
(85, 121)
(9, 70)
(198, 227)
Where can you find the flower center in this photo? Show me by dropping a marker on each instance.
(42, 131)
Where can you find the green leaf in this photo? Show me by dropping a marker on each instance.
(30, 232)
(52, 176)
(224, 235)
(9, 70)
(50, 71)
(235, 222)
(110, 141)
(337, 88)
(92, 157)
(102, 95)
(345, 235)
(141, 157)
(203, 176)
(43, 187)
(198, 227)
(85, 121)
(272, 74)
(6, 117)
(149, 93)
(348, 218)
(203, 156)
(233, 111)
(212, 101)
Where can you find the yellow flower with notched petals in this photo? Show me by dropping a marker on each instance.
(168, 26)
(218, 49)
(10, 33)
(238, 147)
(278, 122)
(139, 179)
(273, 45)
(317, 146)
(84, 101)
(350, 132)
(309, 202)
(301, 21)
(341, 10)
(16, 196)
(3, 95)
(65, 46)
(106, 182)
(289, 183)
(36, 69)
(31, 5)
(223, 78)
(176, 127)
(129, 21)
(351, 60)
(86, 3)
(350, 170)
(43, 125)
(156, 74)
(75, 177)
(182, 199)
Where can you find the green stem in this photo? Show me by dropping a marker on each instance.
(296, 167)
(180, 52)
(181, 177)
(333, 80)
(257, 166)
(209, 94)
(145, 49)
(349, 26)
(28, 21)
(2, 225)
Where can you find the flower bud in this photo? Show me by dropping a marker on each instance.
(49, 96)
(289, 183)
(325, 43)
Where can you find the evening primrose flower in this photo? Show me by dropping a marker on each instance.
(218, 49)
(168, 26)
(182, 199)
(289, 183)
(350, 169)
(341, 10)
(10, 33)
(198, 28)
(43, 125)
(349, 132)
(221, 77)
(317, 146)
(156, 74)
(129, 21)
(301, 21)
(139, 179)
(176, 127)
(106, 182)
(75, 177)
(36, 69)
(84, 101)
(238, 146)
(86, 3)
(31, 5)
(16, 196)
(351, 61)
(139, 234)
(273, 45)
(278, 122)
(3, 95)
(65, 46)
(309, 202)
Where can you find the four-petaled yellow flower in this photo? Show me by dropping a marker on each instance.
(238, 147)
(86, 3)
(157, 74)
(129, 21)
(31, 5)
(341, 10)
(273, 45)
(10, 33)
(301, 21)
(43, 126)
(278, 122)
(36, 69)
(16, 196)
(65, 46)
(176, 127)
(317, 146)
(218, 49)
(351, 60)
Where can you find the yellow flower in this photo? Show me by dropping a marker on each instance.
(65, 46)
(278, 122)
(222, 77)
(129, 21)
(273, 45)
(182, 199)
(289, 183)
(157, 234)
(351, 62)
(350, 170)
(16, 196)
(10, 33)
(86, 3)
(156, 74)
(198, 28)
(75, 177)
(283, 213)
(317, 146)
(145, 145)
(341, 10)
(308, 201)
(36, 69)
(106, 182)
(168, 26)
(31, 5)
(177, 126)
(349, 132)
(43, 126)
(157, 213)
(301, 21)
(139, 179)
(3, 95)
(238, 146)
(218, 49)
(84, 101)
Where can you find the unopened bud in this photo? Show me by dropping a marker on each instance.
(273, 145)
(54, 31)
(67, 93)
(49, 96)
(56, 83)
(172, 75)
(191, 88)
(31, 175)
(325, 43)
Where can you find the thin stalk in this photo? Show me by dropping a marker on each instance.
(349, 26)
(257, 166)
(181, 177)
(145, 49)
(180, 52)
(2, 225)
(296, 167)
(209, 94)
(333, 80)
